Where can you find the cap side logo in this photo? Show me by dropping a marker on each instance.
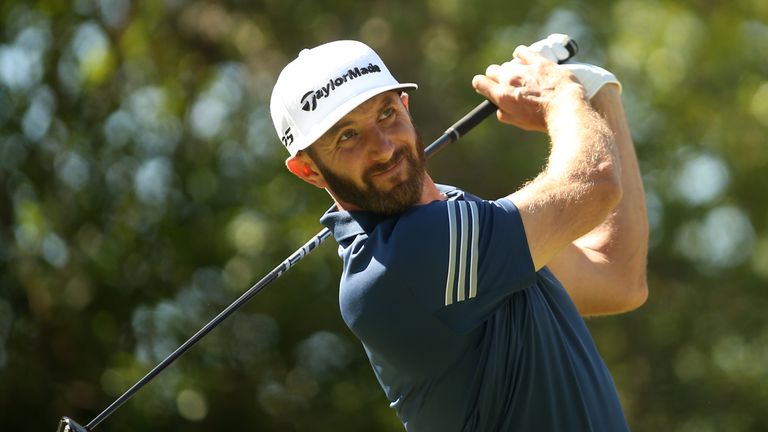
(310, 99)
(287, 138)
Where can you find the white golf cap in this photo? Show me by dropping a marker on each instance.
(322, 85)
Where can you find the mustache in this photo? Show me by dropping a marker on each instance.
(398, 155)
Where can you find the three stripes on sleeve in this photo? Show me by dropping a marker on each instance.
(464, 232)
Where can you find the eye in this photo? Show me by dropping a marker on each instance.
(387, 113)
(347, 135)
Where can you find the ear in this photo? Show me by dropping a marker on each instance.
(304, 168)
(404, 98)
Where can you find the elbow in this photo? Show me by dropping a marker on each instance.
(626, 300)
(629, 298)
(628, 285)
(634, 293)
(637, 295)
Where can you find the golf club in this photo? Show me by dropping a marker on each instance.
(452, 134)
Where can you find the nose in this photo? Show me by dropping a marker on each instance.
(380, 146)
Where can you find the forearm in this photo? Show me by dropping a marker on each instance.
(582, 158)
(604, 270)
(582, 146)
(581, 179)
(623, 236)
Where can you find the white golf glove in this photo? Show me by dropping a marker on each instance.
(592, 77)
(553, 47)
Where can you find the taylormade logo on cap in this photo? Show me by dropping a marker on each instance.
(322, 85)
(309, 100)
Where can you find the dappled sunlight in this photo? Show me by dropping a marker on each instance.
(143, 189)
(724, 238)
(701, 179)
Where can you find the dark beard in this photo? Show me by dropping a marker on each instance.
(387, 203)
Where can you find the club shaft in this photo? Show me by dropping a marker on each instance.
(266, 280)
(453, 133)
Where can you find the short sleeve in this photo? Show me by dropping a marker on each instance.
(462, 258)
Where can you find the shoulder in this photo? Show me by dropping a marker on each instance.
(431, 226)
(426, 239)
(458, 202)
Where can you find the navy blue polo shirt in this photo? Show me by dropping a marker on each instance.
(461, 331)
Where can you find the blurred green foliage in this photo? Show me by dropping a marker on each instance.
(142, 189)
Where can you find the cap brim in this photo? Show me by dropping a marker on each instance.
(320, 128)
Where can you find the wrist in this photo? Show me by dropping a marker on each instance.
(564, 101)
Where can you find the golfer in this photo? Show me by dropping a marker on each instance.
(470, 310)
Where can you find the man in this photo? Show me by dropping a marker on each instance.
(458, 301)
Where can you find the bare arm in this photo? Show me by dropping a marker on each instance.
(580, 185)
(605, 270)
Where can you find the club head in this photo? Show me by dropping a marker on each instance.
(68, 425)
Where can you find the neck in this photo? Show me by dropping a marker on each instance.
(429, 191)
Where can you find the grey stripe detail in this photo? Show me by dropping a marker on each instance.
(462, 285)
(451, 206)
(475, 237)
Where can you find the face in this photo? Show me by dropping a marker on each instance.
(373, 158)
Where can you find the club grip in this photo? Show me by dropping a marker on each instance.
(486, 108)
(472, 119)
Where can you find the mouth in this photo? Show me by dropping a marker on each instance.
(389, 169)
